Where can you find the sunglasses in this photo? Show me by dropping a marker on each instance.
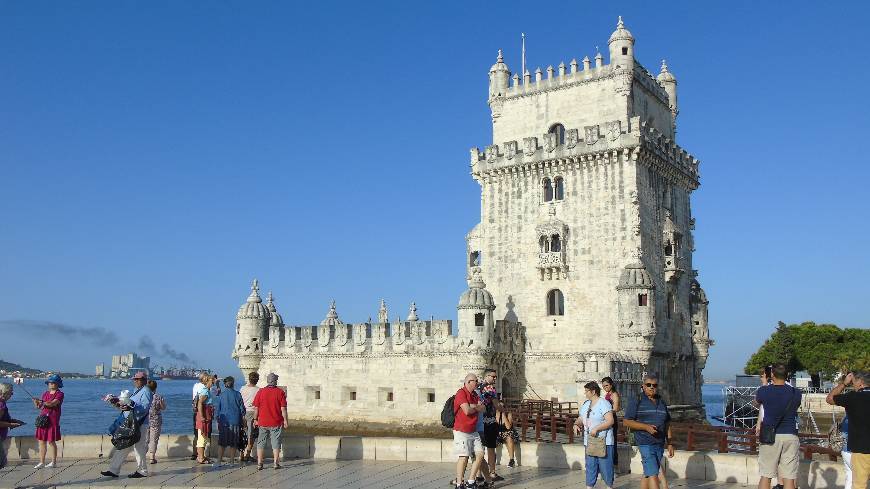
(652, 386)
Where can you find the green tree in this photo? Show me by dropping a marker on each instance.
(823, 350)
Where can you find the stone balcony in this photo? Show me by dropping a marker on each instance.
(552, 266)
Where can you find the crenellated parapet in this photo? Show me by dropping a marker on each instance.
(586, 147)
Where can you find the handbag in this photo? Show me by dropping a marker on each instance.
(767, 436)
(127, 433)
(42, 421)
(595, 447)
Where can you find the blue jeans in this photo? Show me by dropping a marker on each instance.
(651, 457)
(594, 465)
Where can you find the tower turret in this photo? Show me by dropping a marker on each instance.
(621, 47)
(252, 322)
(276, 322)
(636, 309)
(475, 313)
(499, 77)
(669, 82)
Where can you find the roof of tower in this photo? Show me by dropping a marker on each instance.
(665, 75)
(635, 276)
(331, 316)
(276, 319)
(476, 297)
(253, 308)
(697, 293)
(499, 65)
(621, 33)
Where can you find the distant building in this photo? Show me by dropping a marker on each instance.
(126, 365)
(101, 370)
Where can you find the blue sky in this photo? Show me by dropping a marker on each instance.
(155, 160)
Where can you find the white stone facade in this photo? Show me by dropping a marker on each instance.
(584, 245)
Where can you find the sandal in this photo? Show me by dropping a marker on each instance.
(259, 466)
(204, 461)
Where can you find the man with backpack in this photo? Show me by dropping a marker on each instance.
(466, 407)
(650, 419)
(779, 449)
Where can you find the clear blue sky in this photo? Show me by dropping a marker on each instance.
(154, 160)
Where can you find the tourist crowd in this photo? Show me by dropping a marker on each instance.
(478, 416)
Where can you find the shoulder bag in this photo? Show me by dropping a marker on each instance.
(595, 447)
(768, 431)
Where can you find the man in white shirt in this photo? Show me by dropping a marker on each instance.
(248, 392)
(196, 388)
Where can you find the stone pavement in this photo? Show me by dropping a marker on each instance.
(350, 474)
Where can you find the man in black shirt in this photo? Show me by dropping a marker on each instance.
(857, 404)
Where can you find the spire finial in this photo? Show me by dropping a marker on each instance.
(270, 297)
(664, 66)
(500, 58)
(619, 24)
(255, 292)
(412, 313)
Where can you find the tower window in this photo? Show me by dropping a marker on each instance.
(353, 395)
(474, 259)
(555, 303)
(559, 131)
(390, 396)
(479, 319)
(642, 299)
(548, 190)
(555, 243)
(545, 244)
(671, 305)
(624, 51)
(559, 188)
(669, 249)
(430, 397)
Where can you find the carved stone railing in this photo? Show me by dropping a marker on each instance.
(552, 265)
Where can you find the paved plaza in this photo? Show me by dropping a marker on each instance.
(300, 473)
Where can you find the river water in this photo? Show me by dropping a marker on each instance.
(85, 413)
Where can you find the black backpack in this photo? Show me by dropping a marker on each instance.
(448, 414)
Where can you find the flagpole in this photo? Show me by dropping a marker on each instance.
(523, 73)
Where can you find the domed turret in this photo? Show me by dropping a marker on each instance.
(499, 77)
(275, 319)
(621, 44)
(669, 82)
(635, 276)
(475, 313)
(252, 323)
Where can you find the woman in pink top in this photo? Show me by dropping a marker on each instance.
(49, 406)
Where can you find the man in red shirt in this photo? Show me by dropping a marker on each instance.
(270, 414)
(466, 441)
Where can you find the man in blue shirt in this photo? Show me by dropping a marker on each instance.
(141, 404)
(781, 458)
(649, 418)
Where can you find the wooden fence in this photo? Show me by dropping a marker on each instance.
(553, 421)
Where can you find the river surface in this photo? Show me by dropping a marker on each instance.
(85, 413)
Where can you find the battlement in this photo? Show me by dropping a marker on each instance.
(560, 77)
(600, 141)
(398, 337)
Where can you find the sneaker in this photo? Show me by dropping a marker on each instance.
(108, 473)
(137, 475)
(496, 478)
(50, 465)
(512, 463)
(471, 485)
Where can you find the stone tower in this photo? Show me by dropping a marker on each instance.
(252, 323)
(585, 234)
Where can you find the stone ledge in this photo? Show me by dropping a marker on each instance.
(698, 465)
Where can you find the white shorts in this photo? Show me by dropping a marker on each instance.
(466, 444)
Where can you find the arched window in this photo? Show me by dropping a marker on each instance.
(545, 245)
(642, 300)
(559, 188)
(555, 303)
(548, 190)
(559, 131)
(474, 259)
(555, 243)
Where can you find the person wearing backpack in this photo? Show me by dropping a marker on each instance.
(779, 448)
(649, 420)
(140, 401)
(466, 442)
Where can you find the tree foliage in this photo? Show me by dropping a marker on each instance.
(823, 350)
